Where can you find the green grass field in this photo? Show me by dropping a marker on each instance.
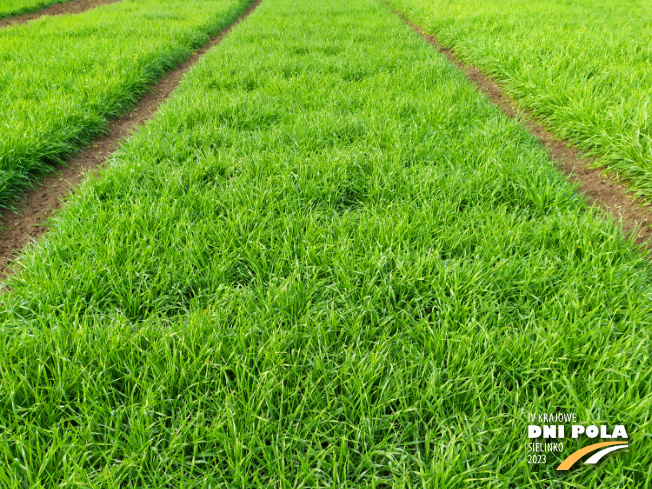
(61, 78)
(584, 67)
(9, 8)
(327, 262)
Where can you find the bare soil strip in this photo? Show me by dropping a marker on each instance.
(28, 221)
(70, 7)
(603, 192)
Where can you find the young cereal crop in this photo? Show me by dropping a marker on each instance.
(9, 8)
(61, 78)
(327, 262)
(583, 67)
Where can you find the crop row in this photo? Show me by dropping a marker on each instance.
(62, 78)
(9, 8)
(327, 262)
(583, 67)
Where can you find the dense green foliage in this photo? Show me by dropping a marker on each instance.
(585, 67)
(9, 8)
(327, 262)
(61, 78)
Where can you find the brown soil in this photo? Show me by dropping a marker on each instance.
(27, 222)
(70, 7)
(603, 192)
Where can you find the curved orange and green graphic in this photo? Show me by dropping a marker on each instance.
(574, 457)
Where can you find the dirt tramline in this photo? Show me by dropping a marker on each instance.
(68, 7)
